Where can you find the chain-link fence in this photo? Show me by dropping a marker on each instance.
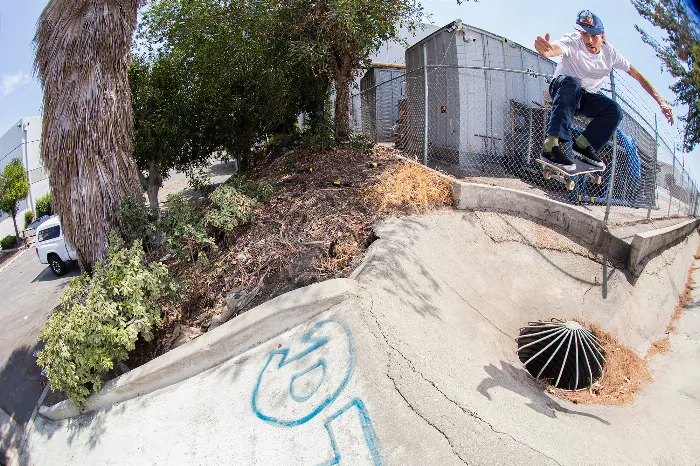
(487, 124)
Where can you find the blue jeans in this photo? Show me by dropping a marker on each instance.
(568, 98)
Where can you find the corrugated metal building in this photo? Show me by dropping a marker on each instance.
(469, 94)
(381, 88)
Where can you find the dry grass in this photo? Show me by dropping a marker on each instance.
(661, 346)
(410, 187)
(624, 374)
(684, 299)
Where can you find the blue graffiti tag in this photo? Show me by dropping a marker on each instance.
(301, 398)
(314, 407)
(367, 431)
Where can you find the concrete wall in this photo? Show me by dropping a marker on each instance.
(587, 228)
(22, 141)
(649, 243)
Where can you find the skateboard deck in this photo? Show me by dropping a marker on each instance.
(582, 168)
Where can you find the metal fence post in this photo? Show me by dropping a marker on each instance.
(678, 214)
(673, 180)
(614, 159)
(652, 192)
(425, 105)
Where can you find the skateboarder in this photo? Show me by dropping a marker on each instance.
(587, 60)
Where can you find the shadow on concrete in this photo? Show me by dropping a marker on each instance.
(223, 169)
(414, 294)
(21, 383)
(47, 275)
(20, 390)
(520, 382)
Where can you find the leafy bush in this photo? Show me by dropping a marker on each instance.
(199, 180)
(320, 135)
(28, 218)
(136, 221)
(100, 319)
(229, 208)
(185, 234)
(8, 242)
(281, 143)
(360, 142)
(44, 206)
(244, 186)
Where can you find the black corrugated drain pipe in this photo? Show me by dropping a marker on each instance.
(565, 354)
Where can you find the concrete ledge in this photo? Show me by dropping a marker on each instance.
(585, 227)
(235, 337)
(647, 243)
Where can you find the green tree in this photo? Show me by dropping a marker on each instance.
(167, 133)
(13, 188)
(679, 53)
(337, 37)
(239, 85)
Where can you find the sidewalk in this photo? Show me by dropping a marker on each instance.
(420, 367)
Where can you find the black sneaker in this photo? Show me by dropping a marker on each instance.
(559, 158)
(588, 155)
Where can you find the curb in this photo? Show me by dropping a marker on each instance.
(11, 261)
(227, 341)
(587, 228)
(650, 242)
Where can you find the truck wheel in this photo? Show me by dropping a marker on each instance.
(58, 267)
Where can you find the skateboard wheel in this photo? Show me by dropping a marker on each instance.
(598, 179)
(570, 185)
(547, 174)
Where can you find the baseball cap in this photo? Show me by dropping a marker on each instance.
(588, 22)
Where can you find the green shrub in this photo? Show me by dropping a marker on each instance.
(136, 221)
(229, 208)
(44, 206)
(199, 180)
(281, 143)
(100, 319)
(183, 229)
(362, 143)
(28, 218)
(244, 186)
(319, 135)
(8, 242)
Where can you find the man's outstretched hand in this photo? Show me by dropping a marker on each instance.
(543, 46)
(667, 111)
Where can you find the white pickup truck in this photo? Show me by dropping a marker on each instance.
(51, 246)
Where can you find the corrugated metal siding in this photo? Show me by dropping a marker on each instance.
(476, 118)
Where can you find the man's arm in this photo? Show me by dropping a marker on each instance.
(546, 49)
(665, 108)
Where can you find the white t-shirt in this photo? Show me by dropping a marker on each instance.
(590, 69)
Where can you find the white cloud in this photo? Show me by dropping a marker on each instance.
(10, 82)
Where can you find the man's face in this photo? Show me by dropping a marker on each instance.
(593, 42)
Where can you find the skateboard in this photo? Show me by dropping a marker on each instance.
(582, 168)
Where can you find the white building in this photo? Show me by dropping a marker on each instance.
(22, 141)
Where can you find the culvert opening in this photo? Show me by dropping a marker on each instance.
(565, 354)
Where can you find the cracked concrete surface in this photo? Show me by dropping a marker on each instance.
(433, 372)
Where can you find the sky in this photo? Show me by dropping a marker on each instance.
(520, 21)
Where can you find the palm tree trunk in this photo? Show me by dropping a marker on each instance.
(83, 50)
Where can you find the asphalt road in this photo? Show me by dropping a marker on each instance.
(29, 291)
